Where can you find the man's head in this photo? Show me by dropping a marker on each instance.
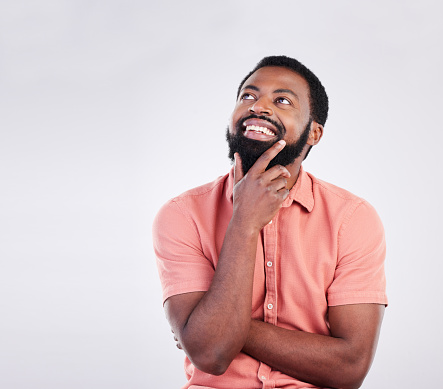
(279, 99)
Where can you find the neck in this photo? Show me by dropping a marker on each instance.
(294, 169)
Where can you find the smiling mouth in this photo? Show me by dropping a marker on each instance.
(259, 130)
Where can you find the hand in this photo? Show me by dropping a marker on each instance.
(259, 194)
(177, 343)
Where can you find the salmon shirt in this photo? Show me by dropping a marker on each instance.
(325, 247)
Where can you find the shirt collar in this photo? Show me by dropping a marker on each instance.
(301, 192)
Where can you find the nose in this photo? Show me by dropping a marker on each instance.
(261, 107)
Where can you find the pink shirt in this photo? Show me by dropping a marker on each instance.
(324, 247)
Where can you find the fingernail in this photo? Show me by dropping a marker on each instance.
(282, 142)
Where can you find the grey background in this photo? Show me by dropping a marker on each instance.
(108, 109)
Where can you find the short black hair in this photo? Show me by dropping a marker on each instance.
(318, 99)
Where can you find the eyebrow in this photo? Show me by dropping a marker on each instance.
(253, 87)
(286, 91)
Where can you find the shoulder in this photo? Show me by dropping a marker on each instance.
(206, 190)
(341, 203)
(195, 200)
(332, 191)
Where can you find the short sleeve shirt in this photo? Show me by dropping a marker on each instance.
(325, 247)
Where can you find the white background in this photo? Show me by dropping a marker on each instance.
(109, 108)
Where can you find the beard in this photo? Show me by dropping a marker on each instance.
(250, 149)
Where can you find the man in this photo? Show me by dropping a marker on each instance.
(272, 278)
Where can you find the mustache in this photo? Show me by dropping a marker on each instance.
(280, 128)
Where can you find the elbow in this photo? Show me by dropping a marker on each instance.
(210, 358)
(211, 368)
(351, 383)
(357, 372)
(212, 363)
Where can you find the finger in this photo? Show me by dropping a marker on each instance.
(238, 170)
(283, 193)
(276, 172)
(278, 184)
(263, 161)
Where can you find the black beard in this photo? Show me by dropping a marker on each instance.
(251, 149)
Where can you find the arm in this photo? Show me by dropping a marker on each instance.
(357, 301)
(212, 326)
(338, 361)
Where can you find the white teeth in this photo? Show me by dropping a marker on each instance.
(264, 130)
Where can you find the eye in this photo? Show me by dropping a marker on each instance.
(282, 100)
(247, 96)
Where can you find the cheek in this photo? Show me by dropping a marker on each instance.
(231, 123)
(235, 117)
(231, 126)
(293, 130)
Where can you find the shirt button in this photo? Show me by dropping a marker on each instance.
(263, 377)
(270, 306)
(269, 264)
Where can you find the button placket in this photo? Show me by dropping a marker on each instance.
(270, 300)
(270, 243)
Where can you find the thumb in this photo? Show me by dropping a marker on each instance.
(238, 170)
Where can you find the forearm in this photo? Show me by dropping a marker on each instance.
(212, 326)
(217, 327)
(321, 360)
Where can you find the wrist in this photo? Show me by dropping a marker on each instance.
(243, 227)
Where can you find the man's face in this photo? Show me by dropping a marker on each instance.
(273, 104)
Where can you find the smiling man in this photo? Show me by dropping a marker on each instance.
(271, 277)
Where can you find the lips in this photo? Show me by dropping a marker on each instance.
(259, 129)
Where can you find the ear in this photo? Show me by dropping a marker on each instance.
(315, 134)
